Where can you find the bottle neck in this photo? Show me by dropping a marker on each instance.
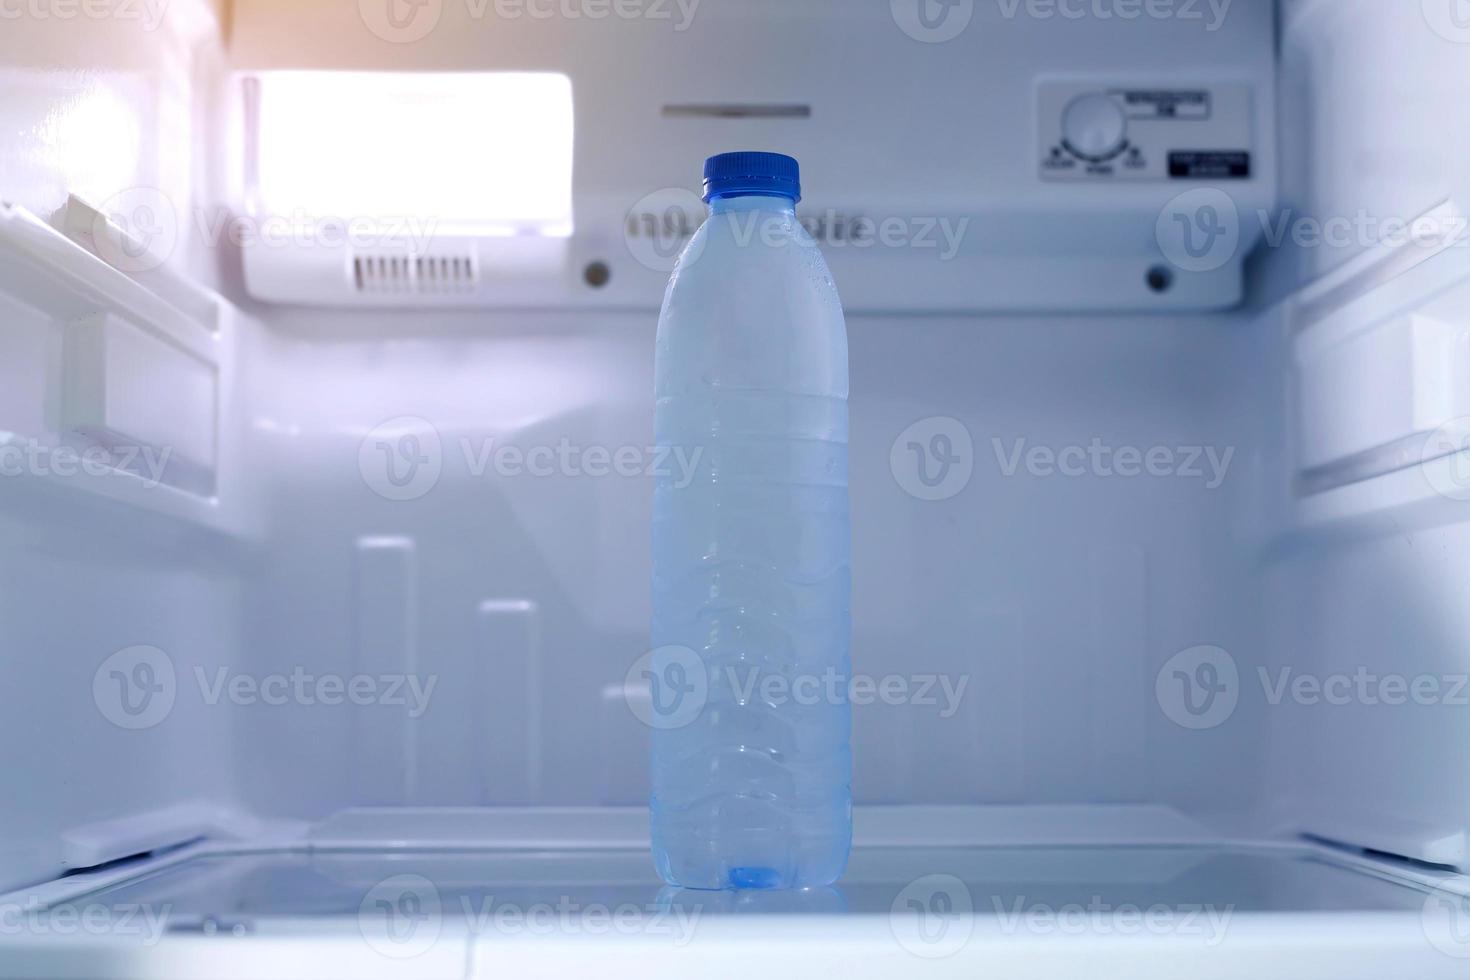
(752, 202)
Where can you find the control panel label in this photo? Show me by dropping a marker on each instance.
(1210, 165)
(1120, 130)
(1156, 104)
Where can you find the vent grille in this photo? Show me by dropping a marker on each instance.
(424, 275)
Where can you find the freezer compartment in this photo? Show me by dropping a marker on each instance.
(580, 896)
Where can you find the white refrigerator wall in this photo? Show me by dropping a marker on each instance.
(1363, 582)
(1370, 131)
(113, 109)
(363, 530)
(1047, 603)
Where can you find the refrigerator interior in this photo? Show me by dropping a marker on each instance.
(307, 676)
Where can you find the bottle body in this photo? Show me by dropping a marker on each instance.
(751, 555)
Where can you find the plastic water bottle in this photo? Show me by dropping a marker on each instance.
(751, 554)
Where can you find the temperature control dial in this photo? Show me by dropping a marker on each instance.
(1094, 127)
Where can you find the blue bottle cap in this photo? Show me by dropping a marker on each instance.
(749, 172)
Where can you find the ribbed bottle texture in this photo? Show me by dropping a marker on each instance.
(751, 551)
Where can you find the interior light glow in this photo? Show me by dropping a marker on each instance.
(98, 143)
(483, 153)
